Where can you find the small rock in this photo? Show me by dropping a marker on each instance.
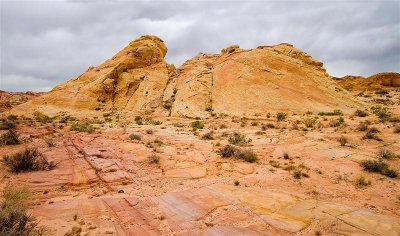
(92, 227)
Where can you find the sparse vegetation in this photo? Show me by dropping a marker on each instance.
(382, 113)
(29, 159)
(386, 153)
(149, 131)
(153, 159)
(7, 124)
(236, 183)
(267, 126)
(297, 174)
(198, 124)
(362, 181)
(337, 123)
(67, 118)
(309, 123)
(135, 137)
(361, 113)
(82, 126)
(379, 166)
(363, 126)
(342, 140)
(208, 136)
(281, 116)
(75, 230)
(238, 139)
(138, 120)
(286, 156)
(232, 151)
(9, 138)
(396, 129)
(331, 113)
(14, 218)
(40, 117)
(372, 134)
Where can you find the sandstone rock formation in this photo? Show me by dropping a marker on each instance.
(373, 82)
(236, 82)
(8, 100)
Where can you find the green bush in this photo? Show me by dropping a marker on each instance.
(247, 155)
(14, 219)
(29, 159)
(363, 126)
(379, 166)
(139, 120)
(331, 113)
(281, 116)
(40, 117)
(382, 113)
(238, 139)
(232, 151)
(82, 126)
(198, 124)
(309, 123)
(7, 124)
(9, 138)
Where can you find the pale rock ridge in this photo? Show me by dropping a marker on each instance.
(237, 82)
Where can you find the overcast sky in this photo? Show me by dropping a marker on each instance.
(46, 42)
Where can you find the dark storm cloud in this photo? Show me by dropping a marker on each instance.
(46, 42)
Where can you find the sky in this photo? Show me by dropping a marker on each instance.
(43, 43)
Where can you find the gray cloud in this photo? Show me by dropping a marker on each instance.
(46, 42)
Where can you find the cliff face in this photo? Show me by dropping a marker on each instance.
(377, 81)
(236, 82)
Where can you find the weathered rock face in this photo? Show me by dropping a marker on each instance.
(8, 100)
(236, 82)
(380, 80)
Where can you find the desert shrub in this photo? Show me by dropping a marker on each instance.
(247, 155)
(7, 124)
(386, 153)
(236, 183)
(208, 136)
(29, 159)
(382, 91)
(135, 137)
(337, 123)
(228, 151)
(297, 174)
(149, 131)
(363, 126)
(343, 140)
(168, 104)
(286, 155)
(379, 166)
(40, 117)
(198, 124)
(139, 120)
(254, 123)
(12, 117)
(152, 121)
(331, 113)
(382, 113)
(396, 129)
(238, 139)
(361, 113)
(177, 124)
(309, 123)
(274, 163)
(267, 126)
(281, 116)
(362, 181)
(82, 126)
(208, 108)
(232, 151)
(153, 159)
(9, 138)
(67, 118)
(14, 218)
(372, 134)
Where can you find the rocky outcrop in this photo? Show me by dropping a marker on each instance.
(8, 100)
(236, 82)
(373, 82)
